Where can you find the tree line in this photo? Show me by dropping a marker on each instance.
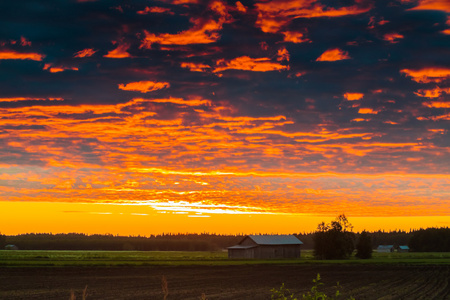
(337, 235)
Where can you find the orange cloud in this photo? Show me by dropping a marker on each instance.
(144, 86)
(180, 101)
(85, 53)
(283, 54)
(9, 54)
(437, 104)
(240, 7)
(246, 63)
(202, 32)
(194, 67)
(294, 37)
(17, 99)
(353, 96)
(333, 55)
(155, 9)
(274, 15)
(426, 75)
(392, 37)
(119, 52)
(442, 5)
(367, 111)
(433, 93)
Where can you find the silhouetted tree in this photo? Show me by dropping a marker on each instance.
(2, 241)
(334, 240)
(364, 246)
(431, 240)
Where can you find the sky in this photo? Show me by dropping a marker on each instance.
(142, 117)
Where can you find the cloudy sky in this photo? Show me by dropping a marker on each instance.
(212, 108)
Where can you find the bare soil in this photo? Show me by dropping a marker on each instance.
(225, 282)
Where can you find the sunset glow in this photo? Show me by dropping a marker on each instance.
(224, 116)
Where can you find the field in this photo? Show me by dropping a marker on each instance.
(137, 275)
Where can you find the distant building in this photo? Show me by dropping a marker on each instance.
(385, 248)
(266, 247)
(403, 249)
(11, 247)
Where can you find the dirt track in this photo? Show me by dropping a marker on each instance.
(225, 282)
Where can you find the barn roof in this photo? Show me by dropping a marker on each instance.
(404, 247)
(275, 239)
(385, 246)
(241, 247)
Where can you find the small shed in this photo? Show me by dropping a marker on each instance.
(11, 247)
(403, 248)
(266, 247)
(385, 248)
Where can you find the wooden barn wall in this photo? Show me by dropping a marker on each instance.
(277, 251)
(241, 253)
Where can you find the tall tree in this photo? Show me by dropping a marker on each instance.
(2, 241)
(334, 240)
(364, 246)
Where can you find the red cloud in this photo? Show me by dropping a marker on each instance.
(294, 37)
(58, 68)
(85, 53)
(119, 52)
(426, 75)
(333, 55)
(392, 37)
(144, 86)
(246, 63)
(155, 9)
(195, 67)
(353, 96)
(24, 42)
(8, 54)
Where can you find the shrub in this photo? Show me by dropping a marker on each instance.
(314, 294)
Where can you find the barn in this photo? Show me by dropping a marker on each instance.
(266, 247)
(385, 248)
(11, 247)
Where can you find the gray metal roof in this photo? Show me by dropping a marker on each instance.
(276, 239)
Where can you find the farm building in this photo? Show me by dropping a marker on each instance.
(11, 247)
(385, 248)
(403, 249)
(266, 247)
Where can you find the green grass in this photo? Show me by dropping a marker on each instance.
(22, 258)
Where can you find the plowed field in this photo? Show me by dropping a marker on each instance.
(225, 282)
